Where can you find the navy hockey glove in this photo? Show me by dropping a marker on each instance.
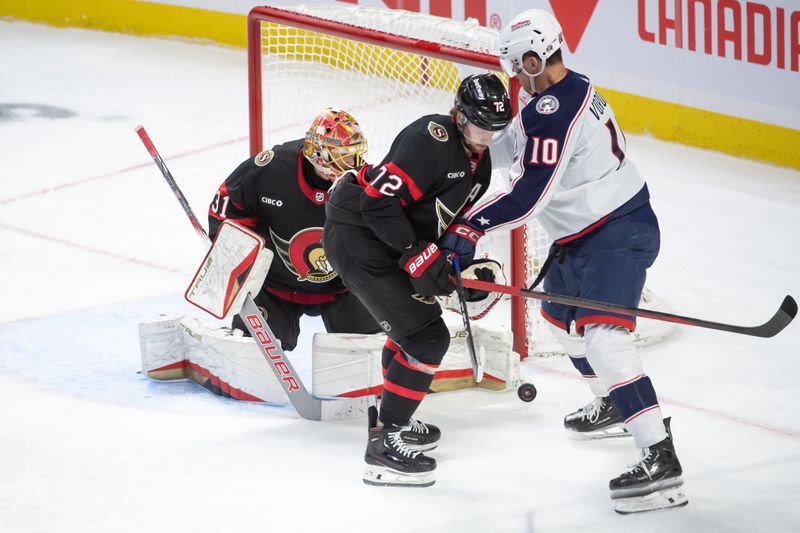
(460, 239)
(428, 269)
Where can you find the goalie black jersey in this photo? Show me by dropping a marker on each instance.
(422, 184)
(272, 193)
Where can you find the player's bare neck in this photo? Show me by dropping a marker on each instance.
(551, 75)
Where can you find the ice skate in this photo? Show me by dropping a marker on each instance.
(598, 420)
(390, 461)
(653, 483)
(421, 437)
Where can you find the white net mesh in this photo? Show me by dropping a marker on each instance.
(304, 70)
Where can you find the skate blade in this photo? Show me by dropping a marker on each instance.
(381, 476)
(611, 432)
(655, 501)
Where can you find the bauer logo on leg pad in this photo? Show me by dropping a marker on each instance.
(236, 265)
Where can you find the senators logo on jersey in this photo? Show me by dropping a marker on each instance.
(303, 255)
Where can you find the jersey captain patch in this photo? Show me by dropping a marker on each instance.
(438, 132)
(547, 105)
(263, 158)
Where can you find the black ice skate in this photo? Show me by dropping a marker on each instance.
(390, 462)
(421, 437)
(653, 483)
(598, 420)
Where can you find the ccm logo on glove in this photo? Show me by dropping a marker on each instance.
(431, 252)
(466, 232)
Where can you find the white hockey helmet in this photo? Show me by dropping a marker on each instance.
(533, 30)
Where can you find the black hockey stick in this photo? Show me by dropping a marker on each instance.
(307, 406)
(477, 369)
(770, 328)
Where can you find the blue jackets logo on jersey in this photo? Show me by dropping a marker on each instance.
(547, 105)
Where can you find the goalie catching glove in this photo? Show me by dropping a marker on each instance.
(428, 269)
(479, 302)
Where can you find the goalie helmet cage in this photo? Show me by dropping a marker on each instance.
(387, 68)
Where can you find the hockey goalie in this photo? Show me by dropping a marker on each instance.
(345, 366)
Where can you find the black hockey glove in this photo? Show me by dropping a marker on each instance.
(428, 269)
(460, 239)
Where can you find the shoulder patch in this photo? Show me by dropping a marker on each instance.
(438, 132)
(547, 104)
(263, 158)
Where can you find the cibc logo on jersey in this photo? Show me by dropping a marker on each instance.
(271, 201)
(303, 255)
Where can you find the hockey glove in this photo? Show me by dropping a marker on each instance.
(460, 239)
(428, 269)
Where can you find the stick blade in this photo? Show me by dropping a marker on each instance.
(783, 317)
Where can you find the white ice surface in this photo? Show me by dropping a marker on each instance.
(93, 242)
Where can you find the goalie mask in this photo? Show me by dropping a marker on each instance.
(479, 303)
(335, 143)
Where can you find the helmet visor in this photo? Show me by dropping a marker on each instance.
(476, 135)
(510, 66)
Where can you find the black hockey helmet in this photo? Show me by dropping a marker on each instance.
(484, 101)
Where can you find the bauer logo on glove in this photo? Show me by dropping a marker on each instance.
(479, 303)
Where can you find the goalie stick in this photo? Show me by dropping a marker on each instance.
(306, 405)
(477, 368)
(782, 317)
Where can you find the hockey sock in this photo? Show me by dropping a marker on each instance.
(588, 374)
(399, 402)
(390, 349)
(412, 364)
(637, 403)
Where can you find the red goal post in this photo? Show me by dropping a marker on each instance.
(386, 67)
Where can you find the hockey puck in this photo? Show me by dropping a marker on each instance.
(526, 392)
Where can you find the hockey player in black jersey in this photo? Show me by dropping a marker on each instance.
(281, 193)
(381, 234)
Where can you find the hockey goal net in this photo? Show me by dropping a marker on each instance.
(387, 68)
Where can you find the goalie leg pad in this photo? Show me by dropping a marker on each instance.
(349, 365)
(500, 363)
(226, 364)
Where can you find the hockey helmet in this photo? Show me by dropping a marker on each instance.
(335, 143)
(483, 100)
(533, 30)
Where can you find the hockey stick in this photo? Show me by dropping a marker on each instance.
(306, 405)
(770, 328)
(477, 368)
